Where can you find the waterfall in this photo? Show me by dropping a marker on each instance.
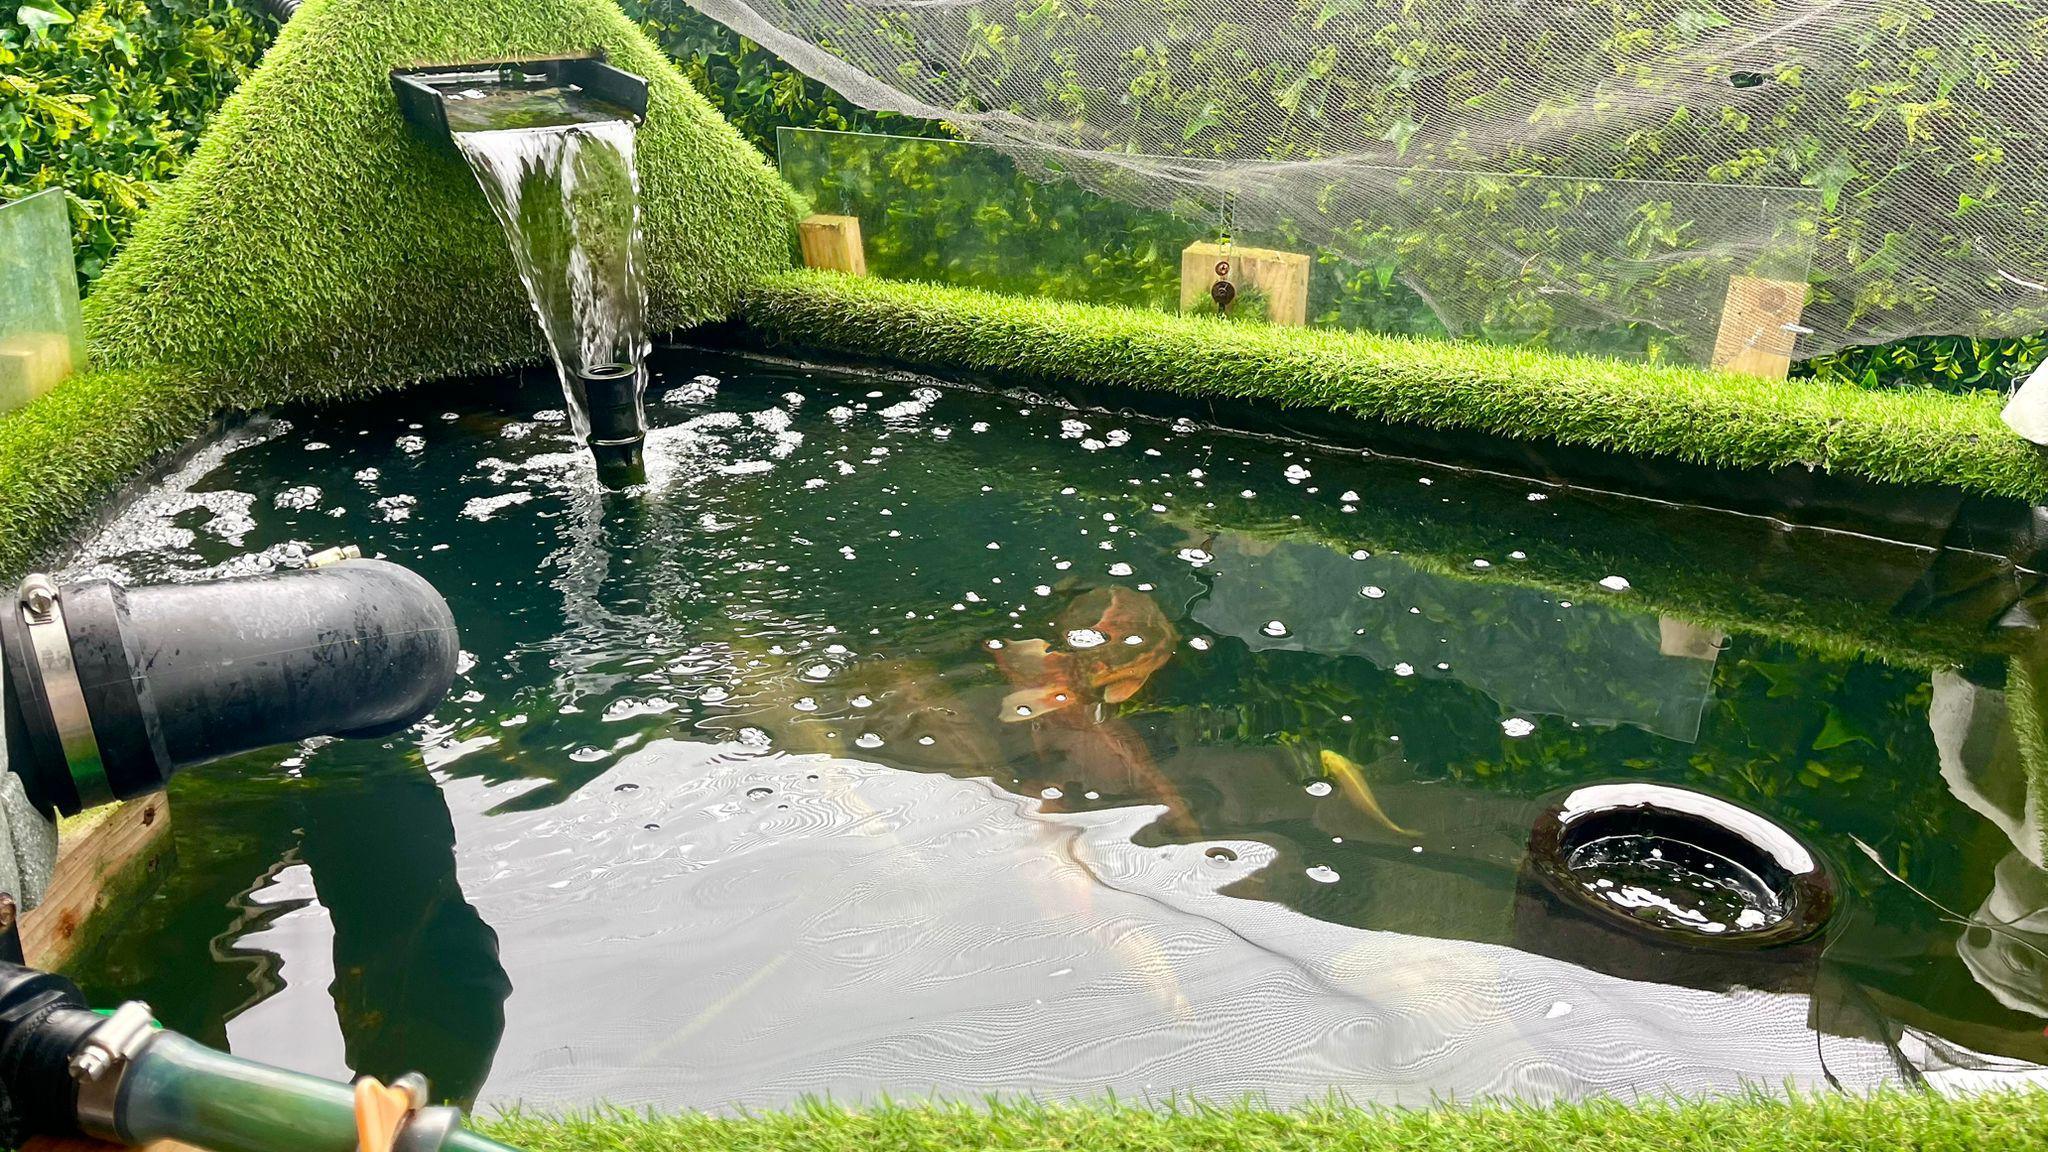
(569, 199)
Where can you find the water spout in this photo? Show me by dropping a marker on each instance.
(552, 144)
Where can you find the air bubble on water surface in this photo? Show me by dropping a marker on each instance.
(1517, 727)
(1119, 568)
(1195, 556)
(1323, 874)
(1085, 638)
(1199, 643)
(867, 740)
(760, 792)
(1404, 669)
(1372, 592)
(1318, 788)
(1614, 583)
(1274, 628)
(1050, 793)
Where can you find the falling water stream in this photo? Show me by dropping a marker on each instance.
(569, 199)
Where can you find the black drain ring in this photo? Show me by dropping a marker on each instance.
(1795, 873)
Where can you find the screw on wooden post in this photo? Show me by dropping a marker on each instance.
(1281, 278)
(833, 242)
(1759, 323)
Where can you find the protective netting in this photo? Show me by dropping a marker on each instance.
(1896, 147)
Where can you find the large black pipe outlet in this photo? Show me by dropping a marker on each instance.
(110, 690)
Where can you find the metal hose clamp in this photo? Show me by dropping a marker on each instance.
(42, 612)
(101, 1062)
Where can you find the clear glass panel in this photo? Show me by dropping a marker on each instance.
(1009, 220)
(1671, 272)
(42, 339)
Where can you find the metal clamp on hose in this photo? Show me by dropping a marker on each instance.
(100, 1062)
(42, 616)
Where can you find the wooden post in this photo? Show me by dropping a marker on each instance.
(833, 242)
(1281, 277)
(1757, 321)
(32, 363)
(91, 869)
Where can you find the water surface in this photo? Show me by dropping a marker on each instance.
(908, 740)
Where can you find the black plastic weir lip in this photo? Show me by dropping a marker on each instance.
(424, 90)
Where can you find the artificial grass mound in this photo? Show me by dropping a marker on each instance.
(61, 455)
(316, 244)
(1692, 415)
(1923, 1121)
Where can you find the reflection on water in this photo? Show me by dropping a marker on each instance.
(905, 740)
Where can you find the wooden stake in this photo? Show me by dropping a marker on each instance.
(833, 242)
(1757, 322)
(90, 867)
(1281, 277)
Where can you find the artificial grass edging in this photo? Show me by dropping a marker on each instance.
(64, 454)
(1922, 1121)
(1692, 415)
(317, 244)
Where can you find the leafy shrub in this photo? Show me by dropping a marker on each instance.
(751, 86)
(105, 99)
(1949, 363)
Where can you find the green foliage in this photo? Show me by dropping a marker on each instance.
(1950, 363)
(105, 99)
(750, 86)
(1909, 437)
(1838, 1122)
(318, 244)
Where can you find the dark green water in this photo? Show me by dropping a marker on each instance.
(904, 740)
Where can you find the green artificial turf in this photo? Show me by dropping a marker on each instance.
(1679, 413)
(61, 456)
(316, 244)
(1889, 1122)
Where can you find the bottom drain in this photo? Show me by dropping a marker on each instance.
(1677, 868)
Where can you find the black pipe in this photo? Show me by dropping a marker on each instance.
(618, 423)
(177, 674)
(284, 10)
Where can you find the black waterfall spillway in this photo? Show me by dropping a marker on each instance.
(552, 145)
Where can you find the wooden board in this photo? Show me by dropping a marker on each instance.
(833, 242)
(90, 869)
(1281, 277)
(1757, 322)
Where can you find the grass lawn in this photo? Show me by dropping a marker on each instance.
(1892, 1122)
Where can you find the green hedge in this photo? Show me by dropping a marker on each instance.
(1923, 1122)
(106, 98)
(318, 244)
(1687, 414)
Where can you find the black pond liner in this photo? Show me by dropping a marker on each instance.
(1649, 881)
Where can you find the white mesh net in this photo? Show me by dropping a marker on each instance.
(1890, 153)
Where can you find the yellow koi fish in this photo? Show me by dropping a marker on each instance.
(1351, 778)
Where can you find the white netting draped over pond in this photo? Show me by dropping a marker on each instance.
(1896, 148)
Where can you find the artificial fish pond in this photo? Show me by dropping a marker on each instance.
(902, 739)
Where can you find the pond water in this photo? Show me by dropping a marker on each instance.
(908, 740)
